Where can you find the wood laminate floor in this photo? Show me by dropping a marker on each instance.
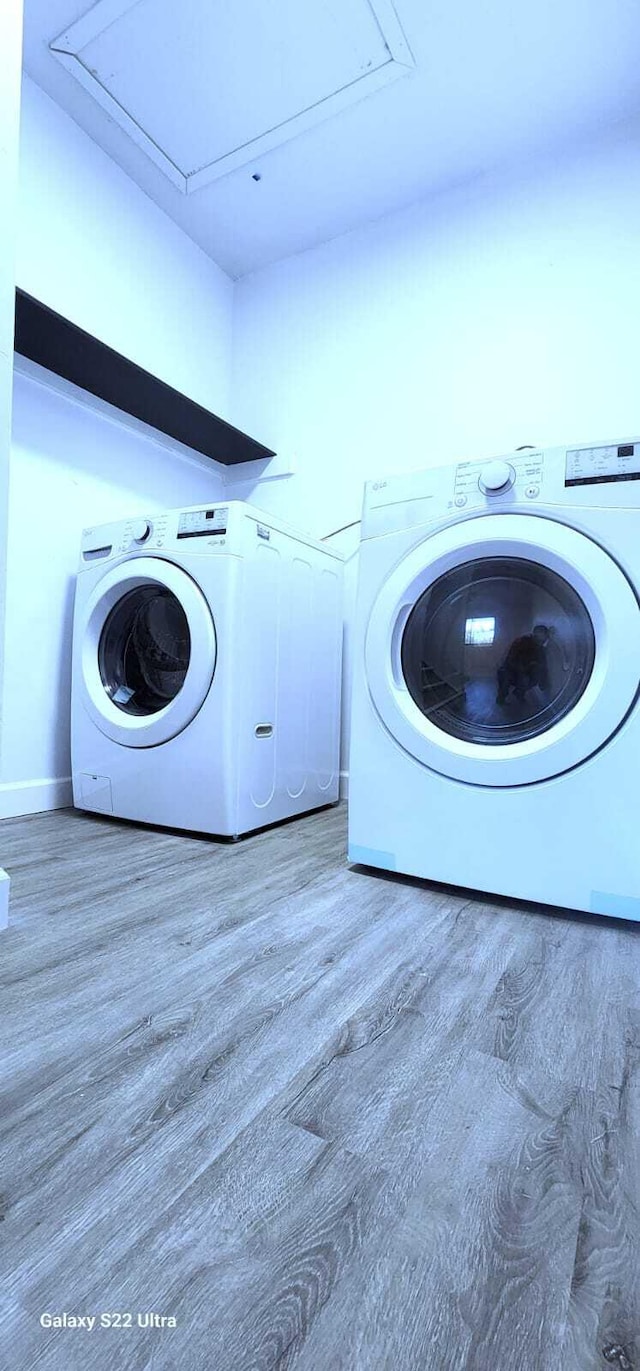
(323, 1119)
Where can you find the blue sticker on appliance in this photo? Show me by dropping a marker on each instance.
(616, 906)
(371, 856)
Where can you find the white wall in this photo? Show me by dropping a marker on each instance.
(10, 66)
(500, 315)
(468, 325)
(94, 247)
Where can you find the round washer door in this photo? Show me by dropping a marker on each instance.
(148, 652)
(504, 650)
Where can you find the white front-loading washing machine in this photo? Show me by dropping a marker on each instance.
(206, 670)
(495, 740)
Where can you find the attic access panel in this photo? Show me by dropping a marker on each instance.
(205, 88)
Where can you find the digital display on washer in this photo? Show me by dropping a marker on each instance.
(590, 466)
(201, 523)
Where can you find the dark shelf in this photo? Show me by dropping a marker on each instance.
(60, 346)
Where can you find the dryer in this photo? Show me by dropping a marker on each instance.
(495, 740)
(206, 670)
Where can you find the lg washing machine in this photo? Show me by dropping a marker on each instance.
(495, 738)
(206, 670)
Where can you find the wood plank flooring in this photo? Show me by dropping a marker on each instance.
(325, 1120)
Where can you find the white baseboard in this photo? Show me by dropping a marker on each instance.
(344, 785)
(32, 797)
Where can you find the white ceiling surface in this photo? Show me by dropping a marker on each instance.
(493, 82)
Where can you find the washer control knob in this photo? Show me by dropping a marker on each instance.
(140, 530)
(496, 477)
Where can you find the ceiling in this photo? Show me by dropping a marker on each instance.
(265, 129)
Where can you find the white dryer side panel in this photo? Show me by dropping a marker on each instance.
(326, 659)
(258, 675)
(297, 646)
(289, 674)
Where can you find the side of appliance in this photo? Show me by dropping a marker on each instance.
(324, 685)
(289, 639)
(368, 842)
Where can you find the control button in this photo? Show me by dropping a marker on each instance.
(140, 530)
(496, 477)
(531, 492)
(460, 500)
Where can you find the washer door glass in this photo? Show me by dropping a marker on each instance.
(144, 650)
(498, 650)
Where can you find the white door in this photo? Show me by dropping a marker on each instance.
(504, 650)
(148, 652)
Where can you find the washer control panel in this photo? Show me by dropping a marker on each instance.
(606, 475)
(202, 523)
(137, 534)
(158, 534)
(590, 466)
(521, 475)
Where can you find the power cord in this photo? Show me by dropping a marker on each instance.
(336, 531)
